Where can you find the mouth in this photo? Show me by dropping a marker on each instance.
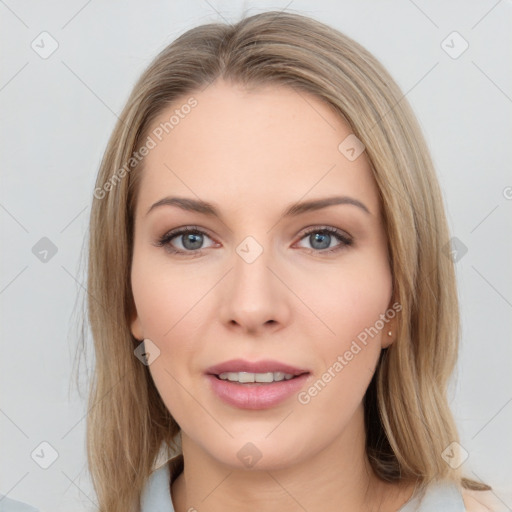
(255, 385)
(239, 370)
(249, 377)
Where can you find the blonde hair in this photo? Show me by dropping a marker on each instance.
(408, 420)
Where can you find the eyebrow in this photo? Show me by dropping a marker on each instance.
(205, 208)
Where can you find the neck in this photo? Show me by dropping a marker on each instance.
(337, 478)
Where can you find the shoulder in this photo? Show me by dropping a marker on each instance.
(480, 501)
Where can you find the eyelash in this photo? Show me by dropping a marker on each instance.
(165, 240)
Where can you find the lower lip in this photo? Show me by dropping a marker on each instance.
(255, 395)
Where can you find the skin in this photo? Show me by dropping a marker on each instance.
(252, 154)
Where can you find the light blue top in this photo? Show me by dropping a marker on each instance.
(10, 505)
(438, 496)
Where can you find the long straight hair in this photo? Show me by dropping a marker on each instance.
(408, 421)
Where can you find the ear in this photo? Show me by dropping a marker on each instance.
(386, 338)
(393, 315)
(136, 327)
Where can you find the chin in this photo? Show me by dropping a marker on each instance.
(260, 454)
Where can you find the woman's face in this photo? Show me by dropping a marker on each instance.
(269, 281)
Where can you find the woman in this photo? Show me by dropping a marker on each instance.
(270, 300)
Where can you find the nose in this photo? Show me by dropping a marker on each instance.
(254, 300)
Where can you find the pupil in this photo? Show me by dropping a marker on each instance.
(323, 238)
(195, 240)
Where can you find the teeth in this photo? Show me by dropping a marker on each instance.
(244, 377)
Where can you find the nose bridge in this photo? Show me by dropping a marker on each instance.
(251, 273)
(255, 297)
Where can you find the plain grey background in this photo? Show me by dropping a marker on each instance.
(57, 113)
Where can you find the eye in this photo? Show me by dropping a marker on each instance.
(321, 239)
(189, 240)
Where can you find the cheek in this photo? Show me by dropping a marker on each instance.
(163, 296)
(351, 307)
(165, 307)
(170, 305)
(350, 300)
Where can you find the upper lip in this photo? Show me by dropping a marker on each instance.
(265, 366)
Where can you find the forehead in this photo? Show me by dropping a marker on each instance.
(239, 144)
